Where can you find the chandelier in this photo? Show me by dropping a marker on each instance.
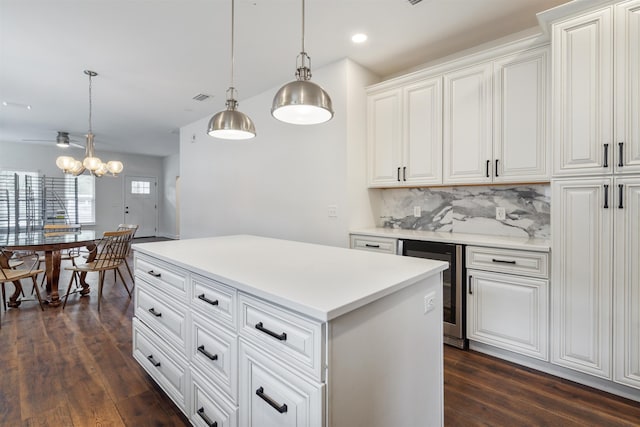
(91, 163)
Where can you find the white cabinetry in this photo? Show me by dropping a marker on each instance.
(405, 134)
(374, 244)
(507, 299)
(597, 130)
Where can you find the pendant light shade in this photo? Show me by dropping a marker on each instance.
(231, 123)
(302, 102)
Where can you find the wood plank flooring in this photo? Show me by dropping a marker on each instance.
(74, 368)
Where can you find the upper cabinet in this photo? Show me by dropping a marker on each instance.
(476, 120)
(596, 110)
(405, 135)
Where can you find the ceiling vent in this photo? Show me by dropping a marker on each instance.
(201, 97)
(414, 2)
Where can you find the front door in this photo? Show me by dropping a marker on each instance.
(141, 204)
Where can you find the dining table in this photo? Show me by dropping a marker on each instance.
(51, 244)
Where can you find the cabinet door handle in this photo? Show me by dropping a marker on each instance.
(207, 300)
(404, 173)
(280, 408)
(261, 328)
(620, 154)
(153, 362)
(398, 173)
(153, 311)
(206, 419)
(496, 173)
(488, 163)
(503, 261)
(207, 354)
(606, 196)
(153, 273)
(606, 156)
(369, 245)
(620, 195)
(470, 285)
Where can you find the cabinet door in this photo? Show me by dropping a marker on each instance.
(627, 21)
(422, 128)
(384, 138)
(627, 283)
(509, 312)
(581, 274)
(521, 109)
(582, 51)
(467, 114)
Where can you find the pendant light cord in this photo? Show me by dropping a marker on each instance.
(90, 130)
(232, 39)
(303, 27)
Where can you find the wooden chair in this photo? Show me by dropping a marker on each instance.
(15, 275)
(109, 255)
(134, 228)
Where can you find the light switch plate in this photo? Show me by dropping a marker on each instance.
(501, 214)
(417, 211)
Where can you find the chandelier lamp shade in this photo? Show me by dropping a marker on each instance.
(231, 123)
(302, 102)
(90, 163)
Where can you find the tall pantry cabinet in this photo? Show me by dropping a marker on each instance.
(595, 298)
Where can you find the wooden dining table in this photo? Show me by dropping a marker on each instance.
(51, 243)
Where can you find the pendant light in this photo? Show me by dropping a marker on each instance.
(302, 102)
(231, 123)
(93, 164)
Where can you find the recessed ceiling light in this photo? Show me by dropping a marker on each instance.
(359, 38)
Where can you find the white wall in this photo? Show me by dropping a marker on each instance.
(281, 183)
(168, 224)
(109, 190)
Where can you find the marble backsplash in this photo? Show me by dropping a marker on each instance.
(469, 210)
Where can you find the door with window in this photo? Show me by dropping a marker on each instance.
(141, 204)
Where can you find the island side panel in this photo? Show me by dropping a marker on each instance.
(385, 361)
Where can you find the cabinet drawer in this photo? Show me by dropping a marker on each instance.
(215, 352)
(374, 244)
(526, 263)
(214, 299)
(166, 367)
(166, 318)
(293, 338)
(208, 406)
(273, 396)
(170, 279)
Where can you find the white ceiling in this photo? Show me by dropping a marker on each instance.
(153, 56)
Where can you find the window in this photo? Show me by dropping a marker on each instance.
(86, 199)
(140, 187)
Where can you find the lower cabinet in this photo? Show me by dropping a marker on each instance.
(209, 407)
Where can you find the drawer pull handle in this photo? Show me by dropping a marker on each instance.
(280, 408)
(153, 273)
(154, 312)
(281, 337)
(620, 196)
(206, 353)
(620, 154)
(369, 245)
(207, 300)
(606, 156)
(153, 362)
(503, 261)
(206, 419)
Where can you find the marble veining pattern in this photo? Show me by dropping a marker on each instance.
(470, 210)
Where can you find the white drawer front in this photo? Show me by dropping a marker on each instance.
(166, 367)
(273, 396)
(215, 351)
(526, 263)
(162, 275)
(214, 299)
(296, 339)
(374, 244)
(208, 406)
(166, 318)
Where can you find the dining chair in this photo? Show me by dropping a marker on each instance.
(134, 228)
(15, 275)
(109, 256)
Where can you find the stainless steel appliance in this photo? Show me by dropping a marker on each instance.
(453, 284)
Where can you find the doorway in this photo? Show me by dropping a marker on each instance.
(141, 204)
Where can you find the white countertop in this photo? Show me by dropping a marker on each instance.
(522, 243)
(322, 282)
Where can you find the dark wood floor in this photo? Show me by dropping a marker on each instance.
(74, 368)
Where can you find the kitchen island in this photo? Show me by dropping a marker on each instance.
(253, 331)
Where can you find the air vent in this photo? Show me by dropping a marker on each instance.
(201, 97)
(414, 2)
